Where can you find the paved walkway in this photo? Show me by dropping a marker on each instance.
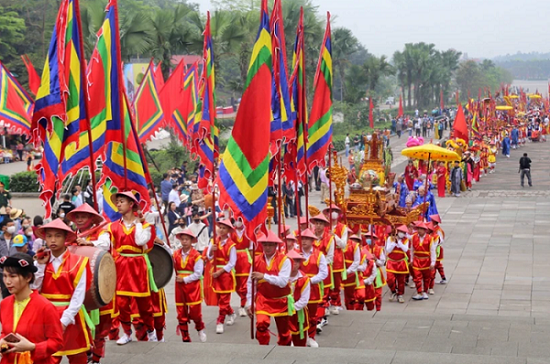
(495, 308)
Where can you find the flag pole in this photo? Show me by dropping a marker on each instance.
(86, 109)
(146, 169)
(279, 196)
(329, 185)
(121, 93)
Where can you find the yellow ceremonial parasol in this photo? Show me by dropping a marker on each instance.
(431, 152)
(534, 96)
(514, 96)
(504, 107)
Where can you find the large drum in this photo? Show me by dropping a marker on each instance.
(163, 266)
(103, 270)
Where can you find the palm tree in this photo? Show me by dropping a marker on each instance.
(374, 68)
(171, 33)
(344, 44)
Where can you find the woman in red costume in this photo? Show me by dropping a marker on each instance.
(27, 315)
(441, 179)
(411, 173)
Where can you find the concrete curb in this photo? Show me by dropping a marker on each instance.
(25, 194)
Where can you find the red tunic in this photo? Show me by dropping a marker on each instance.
(298, 287)
(380, 280)
(338, 263)
(187, 294)
(38, 323)
(58, 288)
(351, 248)
(271, 300)
(226, 282)
(323, 245)
(398, 261)
(370, 294)
(131, 266)
(244, 260)
(310, 267)
(421, 246)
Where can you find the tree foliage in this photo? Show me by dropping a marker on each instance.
(472, 76)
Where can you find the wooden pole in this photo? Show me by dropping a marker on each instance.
(86, 109)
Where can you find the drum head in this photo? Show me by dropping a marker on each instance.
(163, 266)
(105, 272)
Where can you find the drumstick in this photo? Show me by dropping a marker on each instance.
(92, 230)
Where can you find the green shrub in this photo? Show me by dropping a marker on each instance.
(24, 182)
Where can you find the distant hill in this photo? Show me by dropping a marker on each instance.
(526, 66)
(533, 56)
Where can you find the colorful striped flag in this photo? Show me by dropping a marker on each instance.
(105, 88)
(320, 123)
(147, 107)
(299, 104)
(243, 174)
(206, 138)
(15, 104)
(282, 125)
(60, 109)
(129, 175)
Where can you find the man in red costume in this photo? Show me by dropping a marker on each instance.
(364, 292)
(325, 244)
(188, 265)
(340, 233)
(270, 273)
(439, 239)
(397, 266)
(377, 251)
(301, 290)
(223, 253)
(244, 261)
(63, 278)
(352, 258)
(131, 238)
(86, 219)
(423, 260)
(316, 268)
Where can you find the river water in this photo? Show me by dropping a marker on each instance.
(532, 86)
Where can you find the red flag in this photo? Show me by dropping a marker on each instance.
(159, 77)
(400, 110)
(172, 92)
(371, 117)
(441, 101)
(147, 106)
(34, 79)
(459, 126)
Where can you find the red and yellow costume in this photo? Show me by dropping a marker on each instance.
(421, 261)
(226, 282)
(339, 273)
(299, 322)
(438, 238)
(34, 319)
(397, 266)
(272, 300)
(244, 261)
(310, 268)
(380, 281)
(133, 275)
(325, 245)
(352, 280)
(58, 288)
(188, 295)
(364, 292)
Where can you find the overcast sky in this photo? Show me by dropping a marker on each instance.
(483, 29)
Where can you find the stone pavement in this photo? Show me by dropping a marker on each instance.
(494, 309)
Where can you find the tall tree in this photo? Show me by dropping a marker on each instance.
(343, 46)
